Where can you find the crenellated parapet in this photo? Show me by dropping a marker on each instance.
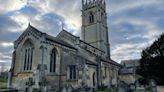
(91, 3)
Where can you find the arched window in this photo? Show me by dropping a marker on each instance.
(91, 17)
(28, 55)
(53, 61)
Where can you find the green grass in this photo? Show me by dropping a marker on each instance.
(3, 85)
(107, 90)
(144, 91)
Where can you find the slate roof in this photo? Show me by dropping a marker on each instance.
(110, 61)
(51, 38)
(59, 41)
(125, 71)
(130, 63)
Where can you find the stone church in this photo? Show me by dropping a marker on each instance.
(65, 62)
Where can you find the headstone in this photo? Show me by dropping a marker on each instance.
(64, 89)
(122, 87)
(132, 87)
(9, 80)
(69, 89)
(153, 86)
(137, 84)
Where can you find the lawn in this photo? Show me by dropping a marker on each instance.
(3, 85)
(107, 90)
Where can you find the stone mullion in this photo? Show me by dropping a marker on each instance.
(25, 57)
(29, 61)
(31, 58)
(52, 66)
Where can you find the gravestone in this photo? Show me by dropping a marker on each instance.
(153, 85)
(69, 89)
(64, 89)
(122, 87)
(29, 84)
(132, 87)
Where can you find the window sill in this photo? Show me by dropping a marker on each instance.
(25, 72)
(52, 74)
(72, 80)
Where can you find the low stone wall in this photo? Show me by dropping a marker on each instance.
(160, 88)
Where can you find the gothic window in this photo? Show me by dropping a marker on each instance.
(91, 17)
(28, 56)
(53, 61)
(72, 72)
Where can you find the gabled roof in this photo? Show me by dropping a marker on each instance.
(73, 36)
(64, 31)
(59, 41)
(27, 30)
(130, 63)
(125, 71)
(47, 37)
(111, 61)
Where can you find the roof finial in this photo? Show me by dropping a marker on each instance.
(62, 25)
(29, 24)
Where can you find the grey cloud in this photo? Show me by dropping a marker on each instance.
(6, 23)
(130, 22)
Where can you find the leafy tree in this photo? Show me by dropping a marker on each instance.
(152, 61)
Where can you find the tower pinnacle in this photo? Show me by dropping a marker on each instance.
(91, 3)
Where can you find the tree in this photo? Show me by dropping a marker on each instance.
(152, 61)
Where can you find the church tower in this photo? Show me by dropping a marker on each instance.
(94, 25)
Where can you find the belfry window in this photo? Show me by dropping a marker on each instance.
(28, 56)
(91, 18)
(53, 61)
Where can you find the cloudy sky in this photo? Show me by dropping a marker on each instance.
(133, 24)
